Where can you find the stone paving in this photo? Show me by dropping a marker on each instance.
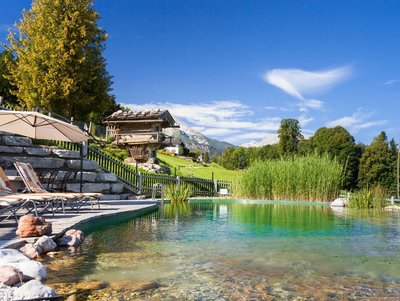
(62, 222)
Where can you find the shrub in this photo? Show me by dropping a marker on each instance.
(178, 194)
(310, 178)
(368, 199)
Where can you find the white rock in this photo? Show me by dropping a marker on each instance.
(11, 256)
(6, 292)
(31, 251)
(31, 269)
(46, 244)
(71, 238)
(392, 208)
(34, 289)
(339, 202)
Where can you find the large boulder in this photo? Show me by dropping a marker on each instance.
(31, 226)
(31, 269)
(9, 275)
(16, 141)
(37, 151)
(34, 289)
(76, 164)
(46, 244)
(71, 238)
(339, 202)
(11, 255)
(106, 177)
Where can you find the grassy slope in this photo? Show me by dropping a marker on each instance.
(187, 169)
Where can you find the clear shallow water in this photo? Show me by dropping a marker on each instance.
(231, 251)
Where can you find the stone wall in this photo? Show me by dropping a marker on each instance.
(16, 148)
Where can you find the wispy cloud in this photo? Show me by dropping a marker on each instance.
(300, 83)
(357, 121)
(230, 120)
(391, 82)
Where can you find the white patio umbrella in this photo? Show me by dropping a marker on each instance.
(39, 126)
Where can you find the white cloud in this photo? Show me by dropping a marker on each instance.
(217, 131)
(299, 83)
(357, 121)
(228, 120)
(391, 82)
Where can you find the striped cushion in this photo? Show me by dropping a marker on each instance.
(5, 185)
(30, 178)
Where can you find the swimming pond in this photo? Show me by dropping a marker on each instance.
(228, 250)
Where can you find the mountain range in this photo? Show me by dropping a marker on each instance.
(195, 140)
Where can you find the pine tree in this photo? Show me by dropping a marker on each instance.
(59, 63)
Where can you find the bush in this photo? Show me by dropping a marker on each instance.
(368, 199)
(178, 194)
(310, 178)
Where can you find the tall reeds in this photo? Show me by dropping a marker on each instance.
(310, 178)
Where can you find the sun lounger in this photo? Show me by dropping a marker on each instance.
(71, 199)
(36, 203)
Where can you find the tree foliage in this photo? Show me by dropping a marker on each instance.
(339, 143)
(289, 134)
(59, 63)
(5, 86)
(378, 165)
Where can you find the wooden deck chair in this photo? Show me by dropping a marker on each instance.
(29, 201)
(72, 199)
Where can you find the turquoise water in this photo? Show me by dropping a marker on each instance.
(231, 251)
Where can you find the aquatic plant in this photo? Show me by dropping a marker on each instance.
(368, 198)
(176, 210)
(310, 178)
(178, 194)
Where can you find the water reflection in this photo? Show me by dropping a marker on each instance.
(231, 251)
(175, 211)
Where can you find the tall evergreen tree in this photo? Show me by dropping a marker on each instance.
(59, 63)
(377, 165)
(289, 134)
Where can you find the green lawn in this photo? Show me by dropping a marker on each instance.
(187, 169)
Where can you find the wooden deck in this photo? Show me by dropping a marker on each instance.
(62, 222)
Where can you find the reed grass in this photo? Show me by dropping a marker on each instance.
(178, 194)
(368, 199)
(310, 178)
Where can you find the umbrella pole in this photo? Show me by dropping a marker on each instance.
(81, 173)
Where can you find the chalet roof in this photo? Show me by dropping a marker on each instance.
(145, 116)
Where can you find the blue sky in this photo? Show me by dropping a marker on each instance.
(234, 69)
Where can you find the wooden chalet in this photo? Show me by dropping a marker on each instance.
(140, 132)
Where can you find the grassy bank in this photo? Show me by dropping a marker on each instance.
(187, 169)
(310, 178)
